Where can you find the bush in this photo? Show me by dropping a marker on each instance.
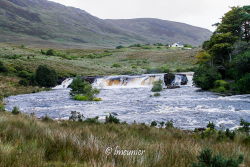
(79, 97)
(157, 94)
(116, 65)
(23, 82)
(164, 69)
(92, 120)
(51, 52)
(82, 90)
(211, 125)
(157, 87)
(205, 77)
(153, 124)
(112, 119)
(119, 47)
(230, 134)
(206, 159)
(3, 68)
(45, 76)
(245, 126)
(46, 118)
(1, 107)
(221, 86)
(169, 124)
(243, 85)
(15, 111)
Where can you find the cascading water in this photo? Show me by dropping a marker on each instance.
(126, 81)
(186, 106)
(65, 84)
(177, 80)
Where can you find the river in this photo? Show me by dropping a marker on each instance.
(131, 100)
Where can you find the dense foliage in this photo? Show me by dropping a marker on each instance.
(227, 54)
(83, 91)
(45, 76)
(157, 86)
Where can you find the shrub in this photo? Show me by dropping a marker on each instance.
(46, 118)
(164, 69)
(221, 83)
(230, 134)
(97, 99)
(245, 126)
(82, 90)
(153, 124)
(206, 159)
(25, 74)
(116, 65)
(162, 124)
(81, 98)
(157, 87)
(15, 111)
(23, 82)
(46, 76)
(3, 68)
(157, 94)
(119, 47)
(205, 77)
(135, 45)
(169, 124)
(76, 116)
(1, 106)
(92, 120)
(211, 125)
(112, 119)
(51, 52)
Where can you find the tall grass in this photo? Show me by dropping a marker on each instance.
(26, 141)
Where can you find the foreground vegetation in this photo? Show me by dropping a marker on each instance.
(26, 141)
(225, 58)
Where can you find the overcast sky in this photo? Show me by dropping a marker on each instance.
(202, 13)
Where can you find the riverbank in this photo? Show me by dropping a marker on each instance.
(66, 143)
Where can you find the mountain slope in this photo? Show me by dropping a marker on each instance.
(42, 21)
(156, 30)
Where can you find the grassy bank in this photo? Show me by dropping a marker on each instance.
(26, 141)
(130, 60)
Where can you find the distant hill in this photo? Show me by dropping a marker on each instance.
(43, 22)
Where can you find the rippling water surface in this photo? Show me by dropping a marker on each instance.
(186, 106)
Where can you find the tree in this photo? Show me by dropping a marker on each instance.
(205, 77)
(203, 57)
(46, 76)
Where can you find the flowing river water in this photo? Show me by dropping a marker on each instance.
(130, 99)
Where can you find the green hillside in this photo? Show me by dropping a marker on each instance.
(48, 23)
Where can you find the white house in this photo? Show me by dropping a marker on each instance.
(177, 45)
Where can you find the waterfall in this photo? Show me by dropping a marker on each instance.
(126, 81)
(177, 80)
(65, 84)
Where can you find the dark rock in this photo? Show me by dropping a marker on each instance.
(172, 87)
(184, 79)
(89, 79)
(168, 79)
